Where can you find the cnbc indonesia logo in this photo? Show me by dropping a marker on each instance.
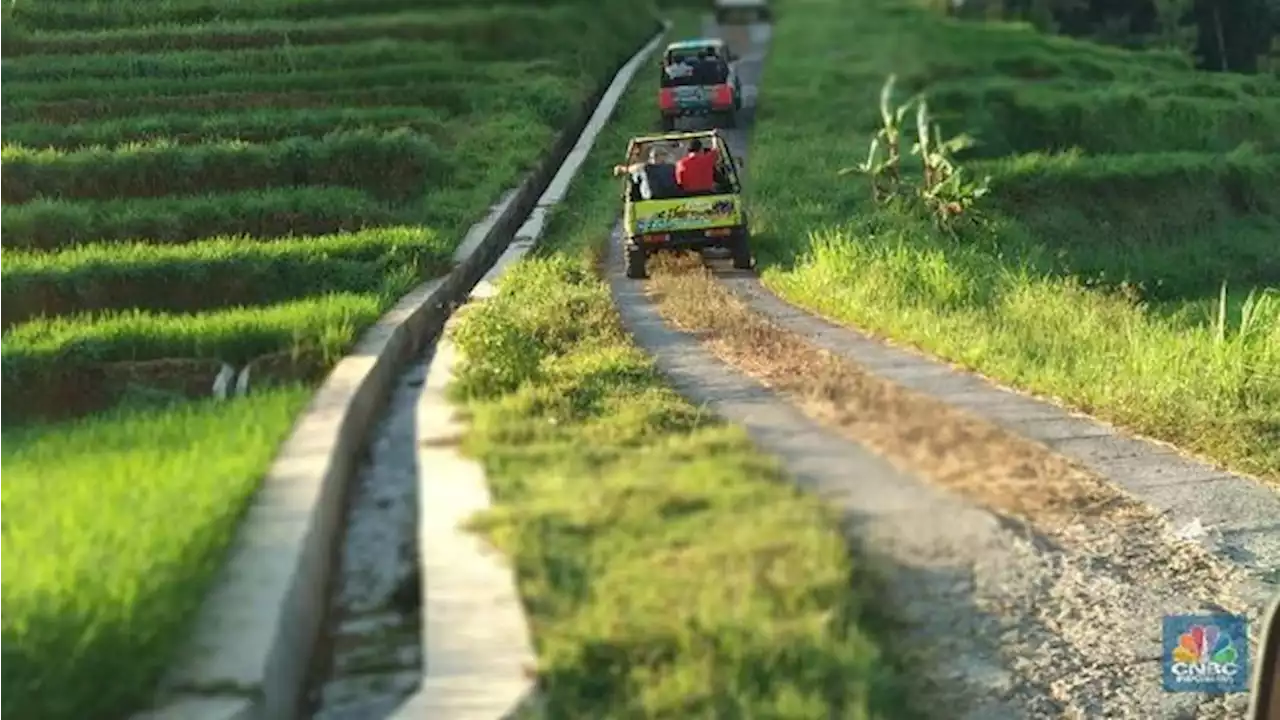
(1205, 655)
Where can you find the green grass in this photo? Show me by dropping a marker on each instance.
(511, 142)
(112, 543)
(70, 366)
(213, 273)
(1010, 116)
(235, 335)
(1072, 282)
(396, 166)
(450, 95)
(1174, 224)
(168, 66)
(44, 224)
(323, 78)
(122, 13)
(506, 30)
(266, 125)
(669, 570)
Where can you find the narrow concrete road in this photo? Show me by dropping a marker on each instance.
(1011, 621)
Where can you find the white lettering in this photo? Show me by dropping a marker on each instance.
(1192, 672)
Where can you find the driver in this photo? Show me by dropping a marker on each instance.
(705, 68)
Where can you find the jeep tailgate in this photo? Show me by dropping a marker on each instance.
(696, 213)
(693, 97)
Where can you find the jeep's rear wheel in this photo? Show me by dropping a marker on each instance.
(668, 123)
(730, 120)
(635, 261)
(740, 248)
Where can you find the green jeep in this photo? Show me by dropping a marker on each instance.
(670, 219)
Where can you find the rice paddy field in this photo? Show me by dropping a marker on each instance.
(1126, 260)
(196, 183)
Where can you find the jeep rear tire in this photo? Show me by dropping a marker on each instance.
(668, 123)
(740, 249)
(634, 263)
(730, 120)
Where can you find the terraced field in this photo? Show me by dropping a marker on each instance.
(193, 185)
(1125, 259)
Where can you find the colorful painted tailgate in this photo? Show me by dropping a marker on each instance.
(681, 214)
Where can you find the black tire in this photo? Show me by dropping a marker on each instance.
(668, 123)
(740, 248)
(634, 263)
(730, 119)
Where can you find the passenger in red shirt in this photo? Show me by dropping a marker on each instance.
(696, 171)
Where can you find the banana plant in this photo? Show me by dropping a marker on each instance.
(945, 189)
(883, 163)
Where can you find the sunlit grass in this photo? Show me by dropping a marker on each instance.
(113, 527)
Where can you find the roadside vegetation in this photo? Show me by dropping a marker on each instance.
(668, 568)
(1112, 242)
(193, 183)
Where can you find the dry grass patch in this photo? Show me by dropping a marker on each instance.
(982, 462)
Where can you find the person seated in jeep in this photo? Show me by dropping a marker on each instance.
(678, 72)
(696, 171)
(654, 179)
(709, 70)
(718, 70)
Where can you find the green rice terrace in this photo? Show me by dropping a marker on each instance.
(195, 183)
(1126, 258)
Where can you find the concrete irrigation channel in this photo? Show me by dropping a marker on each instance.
(423, 620)
(373, 658)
